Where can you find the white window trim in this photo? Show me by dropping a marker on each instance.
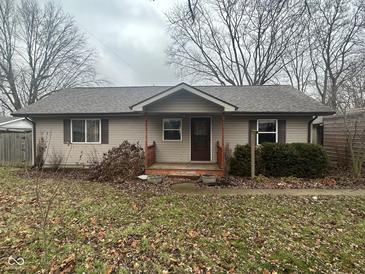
(86, 142)
(180, 129)
(263, 132)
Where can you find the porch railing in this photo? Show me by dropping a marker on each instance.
(219, 155)
(151, 154)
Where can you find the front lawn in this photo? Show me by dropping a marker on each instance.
(97, 228)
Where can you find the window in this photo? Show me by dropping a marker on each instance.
(172, 129)
(267, 131)
(85, 131)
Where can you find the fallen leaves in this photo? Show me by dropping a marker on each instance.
(262, 182)
(114, 231)
(265, 271)
(134, 243)
(109, 269)
(67, 266)
(193, 233)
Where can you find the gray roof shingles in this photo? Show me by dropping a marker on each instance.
(102, 100)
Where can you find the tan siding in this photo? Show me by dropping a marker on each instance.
(216, 135)
(131, 129)
(169, 151)
(297, 130)
(236, 131)
(184, 102)
(178, 151)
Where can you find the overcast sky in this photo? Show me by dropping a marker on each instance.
(130, 38)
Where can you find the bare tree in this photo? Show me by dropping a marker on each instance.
(336, 36)
(297, 68)
(352, 91)
(234, 41)
(41, 50)
(354, 123)
(192, 4)
(3, 109)
(46, 199)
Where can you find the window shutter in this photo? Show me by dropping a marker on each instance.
(66, 131)
(252, 125)
(104, 131)
(282, 131)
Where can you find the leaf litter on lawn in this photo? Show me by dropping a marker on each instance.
(97, 228)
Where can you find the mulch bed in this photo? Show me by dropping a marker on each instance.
(137, 186)
(49, 173)
(127, 186)
(336, 181)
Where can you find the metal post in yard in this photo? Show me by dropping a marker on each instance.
(253, 150)
(145, 140)
(223, 152)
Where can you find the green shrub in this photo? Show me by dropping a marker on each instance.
(281, 160)
(277, 160)
(240, 163)
(312, 160)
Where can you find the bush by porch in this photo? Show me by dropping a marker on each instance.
(281, 160)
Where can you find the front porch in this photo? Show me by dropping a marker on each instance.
(185, 169)
(184, 132)
(160, 161)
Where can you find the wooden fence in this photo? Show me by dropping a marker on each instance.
(334, 137)
(15, 148)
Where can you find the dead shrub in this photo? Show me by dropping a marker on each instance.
(93, 157)
(119, 164)
(56, 159)
(40, 153)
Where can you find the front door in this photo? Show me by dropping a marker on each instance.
(200, 139)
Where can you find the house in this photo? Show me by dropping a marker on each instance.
(184, 129)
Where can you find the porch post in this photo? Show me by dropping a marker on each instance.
(223, 146)
(145, 140)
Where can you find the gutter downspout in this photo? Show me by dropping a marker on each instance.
(310, 128)
(34, 140)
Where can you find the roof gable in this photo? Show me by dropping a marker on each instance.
(14, 123)
(139, 106)
(8, 120)
(183, 102)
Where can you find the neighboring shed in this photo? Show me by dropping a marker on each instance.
(335, 136)
(317, 131)
(15, 141)
(15, 124)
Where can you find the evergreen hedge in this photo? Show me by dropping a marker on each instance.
(240, 163)
(281, 160)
